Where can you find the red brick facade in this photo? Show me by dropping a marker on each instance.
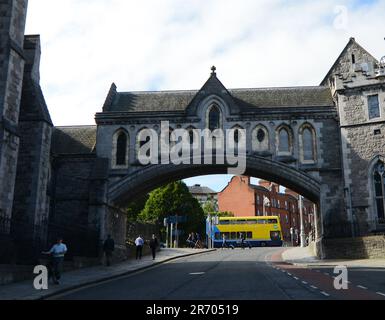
(245, 199)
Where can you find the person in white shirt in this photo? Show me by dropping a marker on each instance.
(139, 242)
(57, 253)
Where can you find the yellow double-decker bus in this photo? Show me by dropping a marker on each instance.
(258, 231)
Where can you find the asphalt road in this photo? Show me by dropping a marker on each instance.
(225, 274)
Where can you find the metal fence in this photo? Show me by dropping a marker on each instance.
(23, 243)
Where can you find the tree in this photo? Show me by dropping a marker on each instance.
(135, 207)
(210, 208)
(174, 199)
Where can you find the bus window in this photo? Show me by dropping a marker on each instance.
(241, 221)
(233, 235)
(251, 221)
(249, 235)
(262, 221)
(217, 236)
(224, 222)
(273, 221)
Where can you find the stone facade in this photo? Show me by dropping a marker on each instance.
(12, 14)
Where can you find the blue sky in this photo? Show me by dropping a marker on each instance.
(171, 44)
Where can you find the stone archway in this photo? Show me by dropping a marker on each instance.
(145, 179)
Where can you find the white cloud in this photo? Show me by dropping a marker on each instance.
(171, 44)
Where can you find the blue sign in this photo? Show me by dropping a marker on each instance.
(172, 219)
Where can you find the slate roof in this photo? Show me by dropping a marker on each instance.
(198, 189)
(157, 101)
(73, 140)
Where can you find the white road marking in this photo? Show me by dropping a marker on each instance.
(314, 287)
(289, 274)
(362, 287)
(325, 294)
(326, 274)
(296, 278)
(380, 293)
(196, 273)
(304, 282)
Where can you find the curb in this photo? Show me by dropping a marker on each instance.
(60, 291)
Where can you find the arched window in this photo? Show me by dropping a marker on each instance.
(379, 190)
(214, 118)
(120, 148)
(307, 144)
(284, 142)
(260, 139)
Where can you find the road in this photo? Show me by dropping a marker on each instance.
(249, 274)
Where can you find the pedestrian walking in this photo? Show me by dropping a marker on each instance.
(153, 245)
(224, 243)
(189, 240)
(108, 247)
(57, 253)
(242, 236)
(139, 247)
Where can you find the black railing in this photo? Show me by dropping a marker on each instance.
(23, 243)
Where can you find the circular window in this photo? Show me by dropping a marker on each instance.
(260, 135)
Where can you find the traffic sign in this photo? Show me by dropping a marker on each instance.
(172, 219)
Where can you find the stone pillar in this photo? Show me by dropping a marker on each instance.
(13, 16)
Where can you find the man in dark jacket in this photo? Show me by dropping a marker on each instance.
(108, 247)
(153, 245)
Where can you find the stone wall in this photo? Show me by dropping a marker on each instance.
(12, 15)
(371, 247)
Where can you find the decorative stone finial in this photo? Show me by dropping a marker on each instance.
(213, 69)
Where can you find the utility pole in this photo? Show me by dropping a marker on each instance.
(171, 244)
(302, 229)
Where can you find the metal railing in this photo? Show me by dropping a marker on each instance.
(23, 243)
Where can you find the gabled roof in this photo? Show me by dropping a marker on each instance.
(73, 140)
(351, 42)
(32, 105)
(247, 99)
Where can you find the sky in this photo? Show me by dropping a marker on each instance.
(172, 44)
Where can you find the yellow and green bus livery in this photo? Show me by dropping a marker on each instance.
(259, 231)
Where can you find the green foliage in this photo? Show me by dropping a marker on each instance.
(174, 199)
(210, 208)
(135, 207)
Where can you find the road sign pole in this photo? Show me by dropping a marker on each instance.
(167, 235)
(171, 235)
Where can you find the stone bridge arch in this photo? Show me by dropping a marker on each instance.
(150, 177)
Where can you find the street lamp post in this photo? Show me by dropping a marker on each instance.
(302, 229)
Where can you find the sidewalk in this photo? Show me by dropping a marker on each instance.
(75, 279)
(304, 257)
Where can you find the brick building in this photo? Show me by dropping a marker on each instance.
(246, 199)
